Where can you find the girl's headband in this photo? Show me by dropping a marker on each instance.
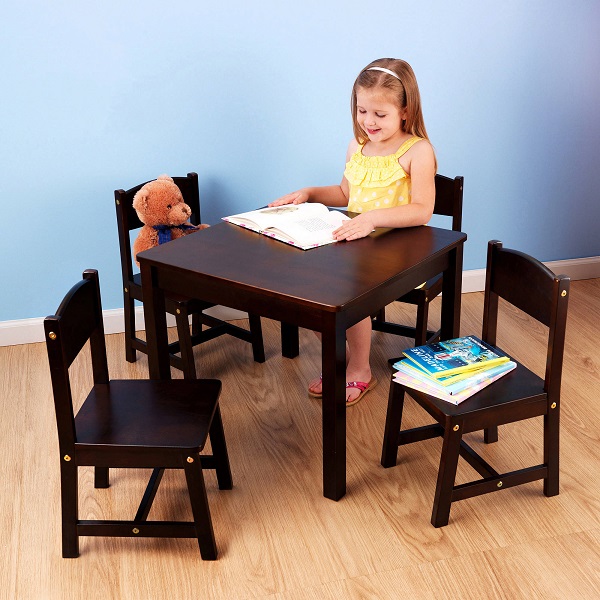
(384, 70)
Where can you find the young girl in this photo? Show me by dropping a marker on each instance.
(388, 180)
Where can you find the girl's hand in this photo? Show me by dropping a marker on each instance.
(294, 198)
(358, 227)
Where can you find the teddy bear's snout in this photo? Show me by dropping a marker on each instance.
(179, 214)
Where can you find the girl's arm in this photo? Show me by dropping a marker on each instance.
(419, 162)
(330, 195)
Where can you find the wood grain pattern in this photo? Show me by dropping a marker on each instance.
(278, 537)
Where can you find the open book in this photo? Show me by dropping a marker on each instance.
(305, 225)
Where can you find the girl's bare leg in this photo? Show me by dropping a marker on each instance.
(316, 385)
(357, 354)
(359, 367)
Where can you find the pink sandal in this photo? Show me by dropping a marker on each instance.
(359, 385)
(363, 387)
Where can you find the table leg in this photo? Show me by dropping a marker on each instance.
(334, 410)
(451, 295)
(290, 340)
(155, 319)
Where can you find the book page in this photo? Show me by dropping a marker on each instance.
(277, 216)
(311, 229)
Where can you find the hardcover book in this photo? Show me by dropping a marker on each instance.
(304, 226)
(454, 398)
(451, 357)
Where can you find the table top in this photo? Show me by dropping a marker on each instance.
(330, 277)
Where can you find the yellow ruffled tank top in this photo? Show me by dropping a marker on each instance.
(378, 181)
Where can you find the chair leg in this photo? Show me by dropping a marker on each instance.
(421, 326)
(393, 422)
(490, 435)
(446, 475)
(258, 348)
(101, 479)
(380, 315)
(290, 340)
(551, 450)
(185, 343)
(196, 324)
(129, 312)
(200, 509)
(219, 450)
(69, 509)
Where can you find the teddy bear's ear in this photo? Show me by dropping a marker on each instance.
(140, 200)
(164, 178)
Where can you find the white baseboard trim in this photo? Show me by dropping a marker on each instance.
(29, 331)
(575, 268)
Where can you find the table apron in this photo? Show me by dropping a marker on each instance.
(290, 310)
(394, 289)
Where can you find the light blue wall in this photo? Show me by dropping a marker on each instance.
(254, 96)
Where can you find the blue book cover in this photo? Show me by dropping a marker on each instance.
(459, 355)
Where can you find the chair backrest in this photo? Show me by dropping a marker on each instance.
(127, 218)
(449, 199)
(529, 285)
(77, 320)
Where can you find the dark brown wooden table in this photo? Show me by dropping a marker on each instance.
(326, 289)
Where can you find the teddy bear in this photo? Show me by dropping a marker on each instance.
(159, 205)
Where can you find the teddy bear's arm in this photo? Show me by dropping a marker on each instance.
(147, 238)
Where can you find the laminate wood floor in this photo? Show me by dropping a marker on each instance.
(278, 537)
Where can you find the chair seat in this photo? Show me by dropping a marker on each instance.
(147, 413)
(520, 386)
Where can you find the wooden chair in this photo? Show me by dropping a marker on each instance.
(448, 202)
(531, 287)
(137, 424)
(179, 306)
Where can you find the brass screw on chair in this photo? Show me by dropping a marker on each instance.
(52, 335)
(190, 459)
(456, 428)
(67, 458)
(499, 484)
(553, 405)
(563, 293)
(135, 530)
(118, 202)
(178, 311)
(126, 290)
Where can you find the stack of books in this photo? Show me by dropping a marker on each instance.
(452, 370)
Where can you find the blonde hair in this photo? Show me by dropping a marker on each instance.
(403, 89)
